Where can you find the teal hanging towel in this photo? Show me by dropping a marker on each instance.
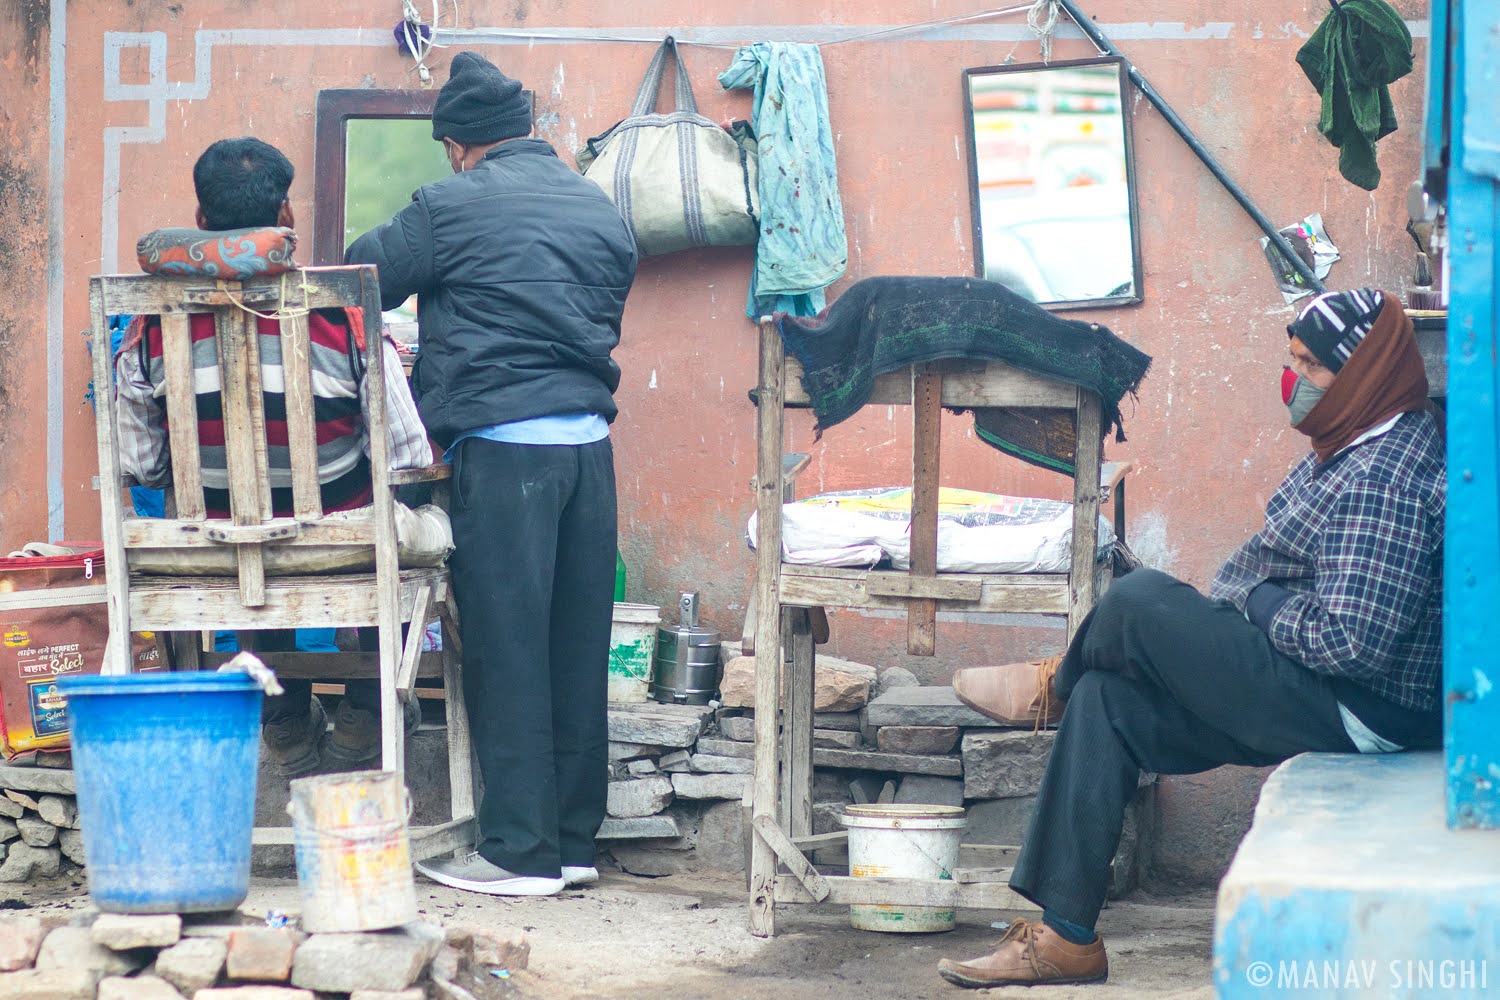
(1361, 48)
(802, 247)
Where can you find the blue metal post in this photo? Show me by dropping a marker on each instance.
(1471, 619)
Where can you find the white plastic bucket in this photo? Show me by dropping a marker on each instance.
(353, 858)
(632, 644)
(903, 841)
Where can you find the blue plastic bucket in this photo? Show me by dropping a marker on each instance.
(165, 766)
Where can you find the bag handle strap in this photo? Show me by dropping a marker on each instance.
(685, 99)
(645, 98)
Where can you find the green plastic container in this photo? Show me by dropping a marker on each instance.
(619, 577)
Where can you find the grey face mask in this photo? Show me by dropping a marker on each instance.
(1304, 397)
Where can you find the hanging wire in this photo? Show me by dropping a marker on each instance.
(937, 23)
(421, 44)
(865, 36)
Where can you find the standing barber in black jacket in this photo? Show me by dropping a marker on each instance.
(521, 268)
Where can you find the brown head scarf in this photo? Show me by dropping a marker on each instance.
(1383, 377)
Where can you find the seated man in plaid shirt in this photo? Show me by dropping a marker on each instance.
(241, 184)
(1323, 632)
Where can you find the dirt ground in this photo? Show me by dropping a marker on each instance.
(684, 936)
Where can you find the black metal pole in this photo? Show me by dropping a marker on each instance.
(1180, 127)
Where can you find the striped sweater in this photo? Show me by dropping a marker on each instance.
(338, 372)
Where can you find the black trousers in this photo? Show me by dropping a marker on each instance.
(533, 572)
(1158, 679)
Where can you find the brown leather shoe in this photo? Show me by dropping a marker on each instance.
(1030, 954)
(1017, 694)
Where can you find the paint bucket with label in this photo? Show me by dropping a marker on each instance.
(353, 859)
(632, 644)
(903, 841)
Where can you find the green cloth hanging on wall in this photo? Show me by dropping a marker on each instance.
(1361, 47)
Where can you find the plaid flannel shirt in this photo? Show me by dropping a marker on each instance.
(1358, 541)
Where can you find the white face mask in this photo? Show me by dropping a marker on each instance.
(1299, 395)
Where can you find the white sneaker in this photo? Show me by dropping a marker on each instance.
(475, 874)
(579, 875)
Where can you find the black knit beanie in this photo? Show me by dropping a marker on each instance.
(479, 104)
(1333, 324)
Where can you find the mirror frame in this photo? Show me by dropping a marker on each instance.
(335, 108)
(1125, 120)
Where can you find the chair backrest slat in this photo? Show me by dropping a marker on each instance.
(301, 415)
(239, 368)
(182, 415)
(380, 444)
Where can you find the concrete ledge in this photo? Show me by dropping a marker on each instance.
(1349, 883)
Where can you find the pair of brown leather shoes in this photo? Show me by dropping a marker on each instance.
(1016, 694)
(1030, 954)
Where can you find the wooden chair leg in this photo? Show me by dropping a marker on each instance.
(768, 736)
(752, 611)
(392, 716)
(797, 723)
(452, 637)
(821, 630)
(460, 750)
(416, 632)
(186, 650)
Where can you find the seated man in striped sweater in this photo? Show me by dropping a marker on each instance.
(243, 183)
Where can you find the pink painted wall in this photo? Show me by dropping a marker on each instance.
(1208, 433)
(24, 95)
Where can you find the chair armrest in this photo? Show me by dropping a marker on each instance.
(792, 465)
(427, 474)
(1110, 474)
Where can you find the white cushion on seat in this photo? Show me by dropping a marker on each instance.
(424, 537)
(977, 532)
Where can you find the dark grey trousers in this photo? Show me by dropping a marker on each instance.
(1158, 679)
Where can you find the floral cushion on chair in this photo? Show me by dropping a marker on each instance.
(233, 254)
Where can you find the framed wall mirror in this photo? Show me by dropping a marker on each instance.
(1052, 182)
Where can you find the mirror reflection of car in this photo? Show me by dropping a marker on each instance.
(1074, 245)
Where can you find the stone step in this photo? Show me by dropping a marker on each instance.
(1350, 883)
(917, 739)
(854, 760)
(650, 707)
(742, 727)
(1004, 763)
(931, 705)
(639, 828)
(29, 778)
(659, 725)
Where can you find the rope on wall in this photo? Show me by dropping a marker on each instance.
(1041, 19)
